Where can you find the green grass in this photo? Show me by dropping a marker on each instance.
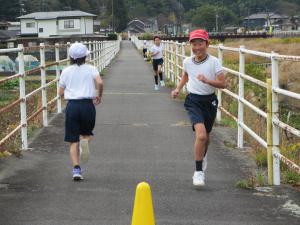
(228, 122)
(261, 158)
(256, 180)
(291, 177)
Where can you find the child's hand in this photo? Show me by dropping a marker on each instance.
(97, 100)
(202, 78)
(175, 93)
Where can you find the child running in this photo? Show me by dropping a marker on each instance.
(77, 84)
(203, 73)
(145, 50)
(157, 57)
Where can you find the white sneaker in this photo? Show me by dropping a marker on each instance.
(204, 163)
(198, 179)
(156, 88)
(162, 83)
(84, 150)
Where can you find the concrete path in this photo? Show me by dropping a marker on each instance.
(140, 135)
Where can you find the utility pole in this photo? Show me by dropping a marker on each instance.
(22, 7)
(217, 16)
(112, 13)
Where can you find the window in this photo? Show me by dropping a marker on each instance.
(32, 44)
(41, 30)
(69, 24)
(30, 25)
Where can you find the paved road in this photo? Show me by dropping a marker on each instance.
(140, 135)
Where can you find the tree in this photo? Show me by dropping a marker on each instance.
(9, 10)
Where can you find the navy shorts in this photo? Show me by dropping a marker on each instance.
(80, 119)
(202, 109)
(157, 62)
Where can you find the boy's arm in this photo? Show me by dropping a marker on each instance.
(182, 82)
(61, 91)
(219, 82)
(99, 87)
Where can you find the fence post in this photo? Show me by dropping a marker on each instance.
(68, 52)
(43, 83)
(275, 128)
(176, 62)
(23, 111)
(269, 132)
(58, 101)
(183, 58)
(173, 63)
(219, 92)
(93, 54)
(241, 96)
(167, 60)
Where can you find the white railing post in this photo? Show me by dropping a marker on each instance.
(97, 55)
(219, 92)
(183, 58)
(43, 83)
(101, 55)
(240, 143)
(167, 63)
(93, 54)
(173, 64)
(176, 63)
(58, 101)
(90, 48)
(23, 111)
(275, 128)
(68, 52)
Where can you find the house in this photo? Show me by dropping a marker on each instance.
(135, 26)
(8, 38)
(260, 21)
(16, 26)
(142, 25)
(151, 25)
(60, 23)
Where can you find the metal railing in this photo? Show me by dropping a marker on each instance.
(101, 54)
(174, 54)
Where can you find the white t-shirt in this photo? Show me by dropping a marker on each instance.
(210, 68)
(79, 81)
(145, 45)
(158, 49)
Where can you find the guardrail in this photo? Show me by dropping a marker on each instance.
(101, 54)
(174, 54)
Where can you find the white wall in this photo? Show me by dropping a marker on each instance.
(89, 25)
(49, 28)
(83, 25)
(28, 30)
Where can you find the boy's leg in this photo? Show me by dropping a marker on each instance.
(201, 141)
(159, 71)
(74, 153)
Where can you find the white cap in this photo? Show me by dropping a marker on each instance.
(78, 50)
(145, 41)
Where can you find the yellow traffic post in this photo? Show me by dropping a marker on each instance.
(269, 132)
(143, 213)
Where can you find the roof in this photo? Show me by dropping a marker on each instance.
(265, 16)
(55, 15)
(7, 34)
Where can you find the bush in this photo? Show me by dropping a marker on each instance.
(112, 37)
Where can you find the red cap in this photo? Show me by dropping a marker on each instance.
(199, 34)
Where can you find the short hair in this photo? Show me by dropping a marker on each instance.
(156, 37)
(79, 61)
(199, 39)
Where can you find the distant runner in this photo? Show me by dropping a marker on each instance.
(157, 56)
